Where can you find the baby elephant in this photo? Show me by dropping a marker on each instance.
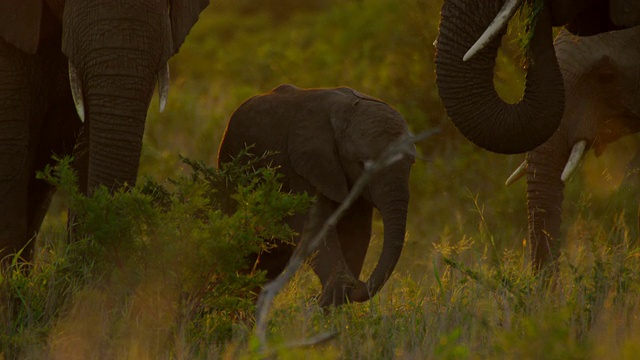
(324, 139)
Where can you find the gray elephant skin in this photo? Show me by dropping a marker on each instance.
(465, 79)
(66, 60)
(602, 81)
(323, 139)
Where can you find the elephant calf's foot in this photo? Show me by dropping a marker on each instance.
(341, 291)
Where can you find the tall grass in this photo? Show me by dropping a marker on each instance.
(462, 288)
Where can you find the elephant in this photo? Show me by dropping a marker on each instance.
(464, 70)
(76, 77)
(602, 80)
(323, 139)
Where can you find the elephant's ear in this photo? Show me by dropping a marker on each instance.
(625, 12)
(184, 14)
(314, 156)
(20, 23)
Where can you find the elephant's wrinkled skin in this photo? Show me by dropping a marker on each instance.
(63, 60)
(466, 85)
(323, 138)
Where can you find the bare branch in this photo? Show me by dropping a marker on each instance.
(312, 341)
(305, 248)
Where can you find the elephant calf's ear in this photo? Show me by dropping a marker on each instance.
(20, 23)
(314, 156)
(184, 14)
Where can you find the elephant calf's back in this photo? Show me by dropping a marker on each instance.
(253, 125)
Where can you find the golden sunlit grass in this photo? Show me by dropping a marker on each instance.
(462, 289)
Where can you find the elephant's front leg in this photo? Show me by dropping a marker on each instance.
(328, 262)
(18, 121)
(57, 136)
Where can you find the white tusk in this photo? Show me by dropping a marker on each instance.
(163, 87)
(499, 22)
(435, 42)
(76, 91)
(576, 155)
(520, 171)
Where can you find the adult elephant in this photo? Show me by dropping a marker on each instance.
(324, 139)
(465, 80)
(602, 81)
(64, 61)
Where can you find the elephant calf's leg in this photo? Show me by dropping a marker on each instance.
(328, 262)
(354, 233)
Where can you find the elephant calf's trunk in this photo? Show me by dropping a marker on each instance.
(394, 218)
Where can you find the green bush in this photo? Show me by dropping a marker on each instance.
(164, 266)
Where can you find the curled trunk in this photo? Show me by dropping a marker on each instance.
(467, 90)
